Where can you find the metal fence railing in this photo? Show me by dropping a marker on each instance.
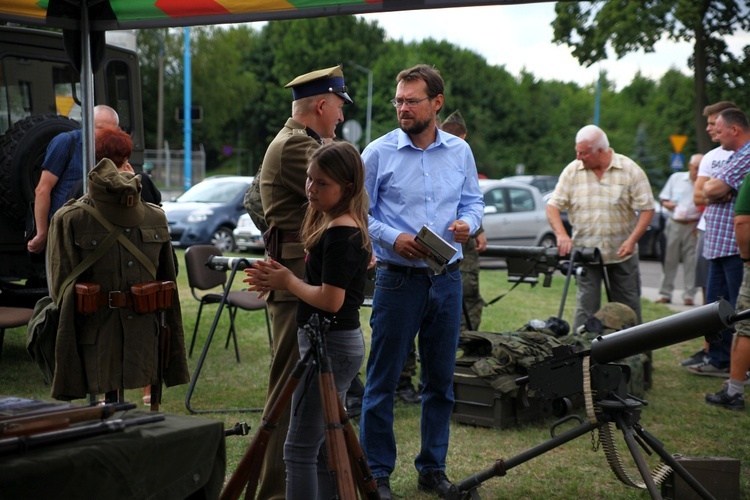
(167, 167)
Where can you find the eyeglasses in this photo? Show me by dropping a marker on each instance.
(409, 103)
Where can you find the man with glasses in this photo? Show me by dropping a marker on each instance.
(610, 205)
(416, 175)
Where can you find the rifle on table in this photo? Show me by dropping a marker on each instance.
(57, 419)
(21, 444)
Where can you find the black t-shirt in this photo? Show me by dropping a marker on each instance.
(337, 260)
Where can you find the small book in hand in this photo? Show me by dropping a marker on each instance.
(441, 252)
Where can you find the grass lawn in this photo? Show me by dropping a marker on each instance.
(676, 413)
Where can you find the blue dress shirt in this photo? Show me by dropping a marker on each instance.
(410, 187)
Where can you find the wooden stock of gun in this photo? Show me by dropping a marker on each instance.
(57, 419)
(344, 451)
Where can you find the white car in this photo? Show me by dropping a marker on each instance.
(247, 236)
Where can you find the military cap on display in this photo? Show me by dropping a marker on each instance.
(617, 316)
(117, 195)
(319, 82)
(456, 118)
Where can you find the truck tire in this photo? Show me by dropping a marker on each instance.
(23, 148)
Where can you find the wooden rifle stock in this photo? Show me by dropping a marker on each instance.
(13, 429)
(248, 468)
(338, 456)
(74, 415)
(20, 444)
(358, 461)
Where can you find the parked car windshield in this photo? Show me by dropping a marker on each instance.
(215, 191)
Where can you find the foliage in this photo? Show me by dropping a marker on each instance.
(592, 28)
(239, 73)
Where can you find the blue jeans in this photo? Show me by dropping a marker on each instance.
(404, 306)
(724, 280)
(305, 451)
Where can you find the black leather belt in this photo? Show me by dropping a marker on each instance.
(416, 270)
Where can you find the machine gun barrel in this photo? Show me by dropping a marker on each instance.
(221, 263)
(584, 254)
(704, 320)
(504, 251)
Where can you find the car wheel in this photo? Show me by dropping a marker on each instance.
(223, 239)
(548, 241)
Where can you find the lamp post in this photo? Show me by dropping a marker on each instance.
(160, 102)
(369, 100)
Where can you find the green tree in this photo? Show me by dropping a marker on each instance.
(591, 28)
(225, 88)
(149, 44)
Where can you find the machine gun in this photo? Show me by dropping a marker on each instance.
(602, 383)
(525, 264)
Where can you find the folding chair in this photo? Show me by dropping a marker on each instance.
(12, 317)
(202, 278)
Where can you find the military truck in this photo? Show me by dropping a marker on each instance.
(40, 96)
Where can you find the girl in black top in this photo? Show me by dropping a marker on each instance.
(338, 254)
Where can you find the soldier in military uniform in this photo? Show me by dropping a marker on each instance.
(317, 108)
(473, 302)
(112, 347)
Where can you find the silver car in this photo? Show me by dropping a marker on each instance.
(514, 214)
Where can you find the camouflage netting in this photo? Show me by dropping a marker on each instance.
(500, 358)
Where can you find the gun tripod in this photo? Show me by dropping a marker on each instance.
(346, 460)
(615, 408)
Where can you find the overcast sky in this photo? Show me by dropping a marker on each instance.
(520, 36)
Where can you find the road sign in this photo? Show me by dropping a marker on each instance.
(352, 131)
(678, 142)
(678, 161)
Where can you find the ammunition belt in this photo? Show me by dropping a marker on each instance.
(607, 439)
(142, 298)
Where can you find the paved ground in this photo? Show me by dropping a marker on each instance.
(651, 276)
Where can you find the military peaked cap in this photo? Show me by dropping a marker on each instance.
(319, 82)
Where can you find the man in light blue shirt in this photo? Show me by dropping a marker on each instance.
(416, 176)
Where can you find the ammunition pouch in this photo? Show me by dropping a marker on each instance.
(143, 298)
(87, 298)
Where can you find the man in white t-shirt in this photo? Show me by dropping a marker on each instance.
(710, 165)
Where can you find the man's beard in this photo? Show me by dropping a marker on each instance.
(416, 128)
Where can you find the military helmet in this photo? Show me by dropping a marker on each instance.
(616, 316)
